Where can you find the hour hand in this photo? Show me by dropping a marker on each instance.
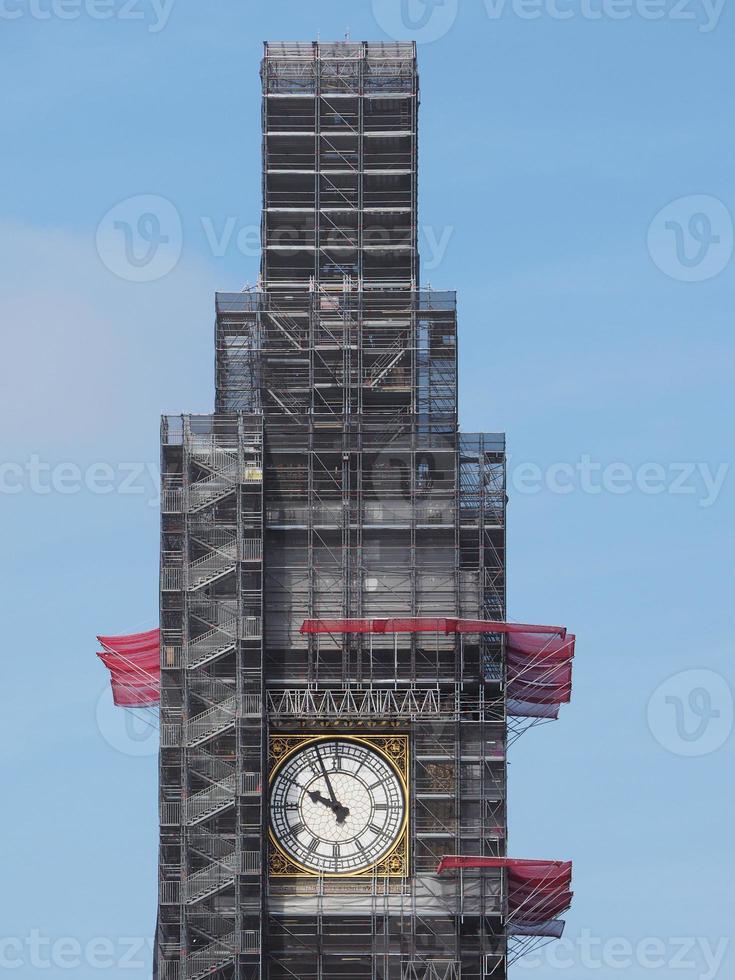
(316, 797)
(340, 812)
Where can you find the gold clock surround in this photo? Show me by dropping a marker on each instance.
(393, 748)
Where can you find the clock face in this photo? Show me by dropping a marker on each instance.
(337, 806)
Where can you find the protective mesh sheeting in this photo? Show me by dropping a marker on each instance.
(134, 665)
(539, 658)
(424, 625)
(526, 709)
(539, 673)
(538, 891)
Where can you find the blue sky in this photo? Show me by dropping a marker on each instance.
(577, 171)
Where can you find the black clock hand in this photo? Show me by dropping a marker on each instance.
(314, 795)
(327, 780)
(341, 812)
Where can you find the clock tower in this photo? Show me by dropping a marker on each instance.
(334, 708)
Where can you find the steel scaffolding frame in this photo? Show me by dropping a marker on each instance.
(332, 482)
(212, 741)
(340, 162)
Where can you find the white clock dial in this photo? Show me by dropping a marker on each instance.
(337, 806)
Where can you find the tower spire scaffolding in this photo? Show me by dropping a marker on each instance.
(338, 678)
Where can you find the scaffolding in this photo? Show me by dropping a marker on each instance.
(212, 740)
(340, 165)
(331, 482)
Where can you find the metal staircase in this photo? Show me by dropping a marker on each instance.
(205, 804)
(211, 645)
(210, 880)
(380, 369)
(214, 576)
(208, 568)
(202, 727)
(208, 491)
(204, 962)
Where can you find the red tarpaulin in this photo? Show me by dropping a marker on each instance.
(423, 625)
(134, 665)
(539, 673)
(538, 891)
(539, 658)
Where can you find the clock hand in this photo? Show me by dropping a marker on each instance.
(327, 780)
(340, 811)
(315, 796)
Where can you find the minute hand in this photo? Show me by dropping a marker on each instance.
(340, 812)
(327, 780)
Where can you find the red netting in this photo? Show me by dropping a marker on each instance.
(423, 625)
(539, 658)
(134, 665)
(539, 673)
(538, 891)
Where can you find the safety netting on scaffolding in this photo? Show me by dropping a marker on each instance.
(537, 677)
(538, 659)
(134, 665)
(537, 893)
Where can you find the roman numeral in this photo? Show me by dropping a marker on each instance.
(380, 831)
